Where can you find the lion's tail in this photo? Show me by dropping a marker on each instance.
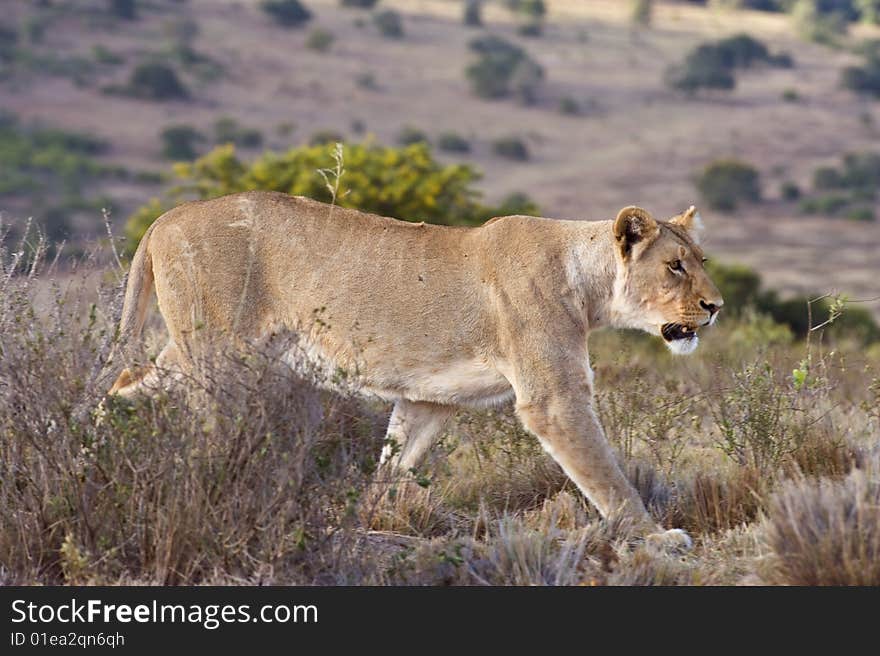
(138, 288)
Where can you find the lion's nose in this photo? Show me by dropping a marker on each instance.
(711, 308)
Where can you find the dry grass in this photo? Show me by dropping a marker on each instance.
(826, 532)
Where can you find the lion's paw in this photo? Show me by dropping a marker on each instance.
(674, 540)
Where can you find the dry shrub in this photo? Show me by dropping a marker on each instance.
(242, 472)
(826, 532)
(502, 465)
(713, 501)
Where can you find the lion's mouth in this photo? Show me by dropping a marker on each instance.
(675, 331)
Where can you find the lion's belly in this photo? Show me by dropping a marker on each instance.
(467, 382)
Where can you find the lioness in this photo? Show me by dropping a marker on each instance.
(432, 317)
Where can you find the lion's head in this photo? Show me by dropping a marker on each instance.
(661, 285)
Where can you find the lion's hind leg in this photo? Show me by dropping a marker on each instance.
(146, 380)
(412, 430)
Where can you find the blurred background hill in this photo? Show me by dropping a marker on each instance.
(763, 113)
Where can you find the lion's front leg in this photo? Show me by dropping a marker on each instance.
(557, 407)
(570, 432)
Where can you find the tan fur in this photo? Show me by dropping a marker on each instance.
(430, 317)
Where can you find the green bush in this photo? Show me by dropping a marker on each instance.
(107, 57)
(641, 12)
(452, 142)
(569, 106)
(511, 148)
(789, 191)
(324, 137)
(532, 9)
(51, 171)
(827, 177)
(126, 9)
(8, 42)
(503, 68)
(861, 214)
(407, 183)
(361, 4)
(742, 291)
(411, 135)
(712, 65)
(854, 185)
(724, 184)
(155, 81)
(473, 13)
(320, 40)
(389, 23)
(288, 13)
(179, 142)
(228, 130)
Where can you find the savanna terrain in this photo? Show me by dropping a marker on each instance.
(764, 445)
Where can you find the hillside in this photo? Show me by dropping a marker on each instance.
(635, 141)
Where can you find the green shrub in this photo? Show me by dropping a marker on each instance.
(569, 106)
(503, 68)
(288, 13)
(228, 130)
(473, 13)
(324, 137)
(789, 191)
(50, 171)
(155, 81)
(104, 56)
(511, 148)
(712, 65)
(407, 183)
(533, 9)
(126, 9)
(320, 40)
(854, 185)
(724, 184)
(179, 142)
(742, 291)
(361, 4)
(8, 42)
(827, 177)
(452, 142)
(367, 80)
(411, 135)
(390, 24)
(791, 96)
(641, 12)
(861, 214)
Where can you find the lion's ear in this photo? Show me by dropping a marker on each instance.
(691, 221)
(633, 225)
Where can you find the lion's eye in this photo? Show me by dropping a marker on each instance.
(675, 266)
(705, 259)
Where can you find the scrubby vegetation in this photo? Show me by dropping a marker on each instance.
(511, 148)
(389, 23)
(503, 69)
(180, 142)
(287, 13)
(724, 184)
(713, 65)
(864, 79)
(152, 80)
(405, 183)
(247, 474)
(849, 190)
(48, 171)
